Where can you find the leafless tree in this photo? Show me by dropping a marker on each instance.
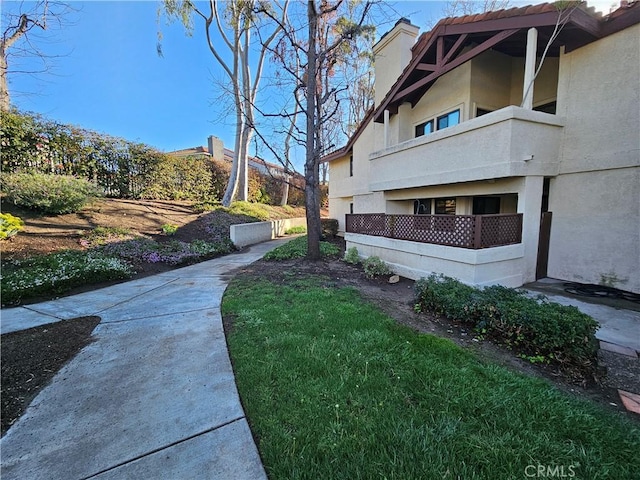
(21, 21)
(457, 8)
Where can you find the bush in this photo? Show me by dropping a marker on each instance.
(296, 230)
(9, 225)
(329, 227)
(177, 178)
(254, 210)
(538, 329)
(351, 256)
(47, 193)
(374, 267)
(297, 248)
(169, 229)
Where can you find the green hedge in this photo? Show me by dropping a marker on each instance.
(541, 331)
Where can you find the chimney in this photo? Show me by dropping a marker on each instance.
(392, 55)
(216, 147)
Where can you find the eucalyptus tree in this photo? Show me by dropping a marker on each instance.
(235, 30)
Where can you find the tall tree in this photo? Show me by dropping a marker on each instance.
(331, 27)
(235, 26)
(19, 22)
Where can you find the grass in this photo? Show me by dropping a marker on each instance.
(335, 389)
(297, 248)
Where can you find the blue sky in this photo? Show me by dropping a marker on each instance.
(109, 77)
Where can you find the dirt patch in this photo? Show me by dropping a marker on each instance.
(50, 233)
(30, 359)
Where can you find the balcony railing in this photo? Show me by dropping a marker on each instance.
(465, 231)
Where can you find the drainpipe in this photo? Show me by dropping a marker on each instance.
(529, 69)
(386, 129)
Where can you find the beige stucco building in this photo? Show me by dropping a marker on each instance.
(479, 164)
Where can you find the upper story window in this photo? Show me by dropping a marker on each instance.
(449, 120)
(424, 128)
(351, 165)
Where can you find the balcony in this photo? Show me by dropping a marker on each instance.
(464, 231)
(509, 142)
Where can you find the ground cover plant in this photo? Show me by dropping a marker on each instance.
(59, 272)
(333, 388)
(297, 248)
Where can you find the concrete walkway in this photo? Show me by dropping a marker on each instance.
(152, 397)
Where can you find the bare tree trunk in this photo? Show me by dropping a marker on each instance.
(232, 185)
(4, 87)
(311, 171)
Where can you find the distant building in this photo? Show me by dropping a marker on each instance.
(215, 150)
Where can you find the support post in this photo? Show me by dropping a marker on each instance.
(530, 69)
(386, 128)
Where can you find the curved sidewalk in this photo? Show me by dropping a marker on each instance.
(153, 396)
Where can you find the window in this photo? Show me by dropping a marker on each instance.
(482, 111)
(449, 120)
(445, 206)
(422, 206)
(351, 165)
(486, 205)
(351, 208)
(424, 128)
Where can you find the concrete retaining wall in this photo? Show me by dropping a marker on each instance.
(246, 234)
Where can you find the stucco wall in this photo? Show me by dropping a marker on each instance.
(500, 265)
(246, 234)
(595, 200)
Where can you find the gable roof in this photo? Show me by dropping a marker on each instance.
(456, 40)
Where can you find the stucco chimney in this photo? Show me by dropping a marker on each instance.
(216, 147)
(392, 55)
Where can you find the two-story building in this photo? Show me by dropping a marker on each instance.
(503, 147)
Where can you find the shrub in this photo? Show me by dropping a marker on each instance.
(297, 248)
(329, 227)
(255, 210)
(374, 267)
(47, 193)
(539, 329)
(351, 256)
(178, 178)
(103, 235)
(296, 230)
(9, 225)
(169, 229)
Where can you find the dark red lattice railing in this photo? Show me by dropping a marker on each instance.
(466, 231)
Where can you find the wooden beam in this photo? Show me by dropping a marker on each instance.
(426, 67)
(486, 45)
(439, 50)
(455, 48)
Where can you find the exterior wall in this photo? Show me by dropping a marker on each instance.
(448, 93)
(490, 81)
(545, 88)
(595, 200)
(499, 265)
(246, 234)
(497, 145)
(338, 208)
(392, 54)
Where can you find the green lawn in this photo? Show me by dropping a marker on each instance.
(335, 389)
